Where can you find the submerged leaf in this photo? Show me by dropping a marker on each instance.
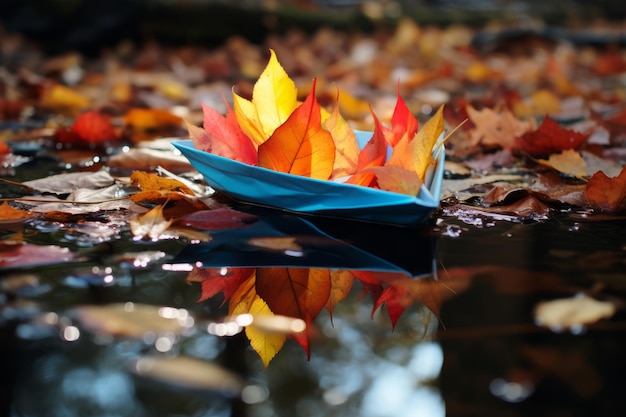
(189, 372)
(580, 310)
(17, 254)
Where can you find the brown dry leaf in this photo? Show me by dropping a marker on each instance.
(568, 162)
(496, 127)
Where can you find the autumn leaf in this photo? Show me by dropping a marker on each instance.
(94, 127)
(266, 344)
(402, 291)
(274, 98)
(9, 214)
(346, 147)
(496, 127)
(219, 280)
(300, 146)
(373, 154)
(579, 310)
(340, 285)
(147, 119)
(568, 162)
(152, 182)
(64, 99)
(4, 148)
(151, 224)
(415, 154)
(245, 300)
(222, 136)
(605, 193)
(396, 179)
(402, 121)
(17, 254)
(295, 292)
(549, 138)
(352, 107)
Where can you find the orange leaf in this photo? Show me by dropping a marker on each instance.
(496, 128)
(152, 182)
(4, 148)
(300, 146)
(340, 286)
(396, 179)
(294, 292)
(605, 193)
(415, 154)
(346, 147)
(8, 213)
(151, 118)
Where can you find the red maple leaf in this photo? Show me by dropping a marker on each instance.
(93, 127)
(219, 280)
(549, 138)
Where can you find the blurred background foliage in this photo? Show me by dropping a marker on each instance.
(87, 25)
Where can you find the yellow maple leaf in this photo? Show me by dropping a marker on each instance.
(245, 300)
(568, 162)
(274, 98)
(415, 154)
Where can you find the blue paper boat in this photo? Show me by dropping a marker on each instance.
(300, 194)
